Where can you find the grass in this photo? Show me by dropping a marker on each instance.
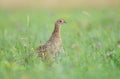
(90, 38)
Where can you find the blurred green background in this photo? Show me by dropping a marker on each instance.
(91, 38)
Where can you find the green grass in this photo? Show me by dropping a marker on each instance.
(91, 39)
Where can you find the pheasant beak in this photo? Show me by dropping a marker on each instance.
(65, 22)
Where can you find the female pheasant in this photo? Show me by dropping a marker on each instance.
(52, 47)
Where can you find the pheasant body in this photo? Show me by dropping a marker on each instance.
(51, 48)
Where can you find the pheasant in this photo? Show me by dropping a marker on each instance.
(51, 49)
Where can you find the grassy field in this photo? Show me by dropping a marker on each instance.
(91, 39)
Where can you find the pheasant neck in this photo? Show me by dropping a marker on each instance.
(56, 29)
(56, 33)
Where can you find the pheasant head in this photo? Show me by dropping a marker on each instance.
(60, 22)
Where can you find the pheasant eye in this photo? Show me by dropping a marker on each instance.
(60, 21)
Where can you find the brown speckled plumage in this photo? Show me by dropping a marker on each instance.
(51, 48)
